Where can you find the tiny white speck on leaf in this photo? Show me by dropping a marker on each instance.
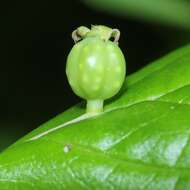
(66, 148)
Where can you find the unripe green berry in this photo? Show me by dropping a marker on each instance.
(95, 69)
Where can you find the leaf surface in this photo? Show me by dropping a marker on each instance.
(140, 142)
(170, 12)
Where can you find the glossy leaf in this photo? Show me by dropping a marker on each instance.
(140, 142)
(170, 12)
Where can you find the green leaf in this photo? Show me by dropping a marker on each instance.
(170, 12)
(140, 142)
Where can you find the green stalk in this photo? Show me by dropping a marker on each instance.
(94, 106)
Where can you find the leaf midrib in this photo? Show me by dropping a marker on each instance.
(110, 110)
(186, 170)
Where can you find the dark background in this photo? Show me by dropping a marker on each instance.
(35, 40)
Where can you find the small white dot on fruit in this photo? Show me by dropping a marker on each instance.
(98, 80)
(85, 78)
(118, 69)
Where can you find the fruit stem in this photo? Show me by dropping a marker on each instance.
(94, 106)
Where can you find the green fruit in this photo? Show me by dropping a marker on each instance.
(95, 69)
